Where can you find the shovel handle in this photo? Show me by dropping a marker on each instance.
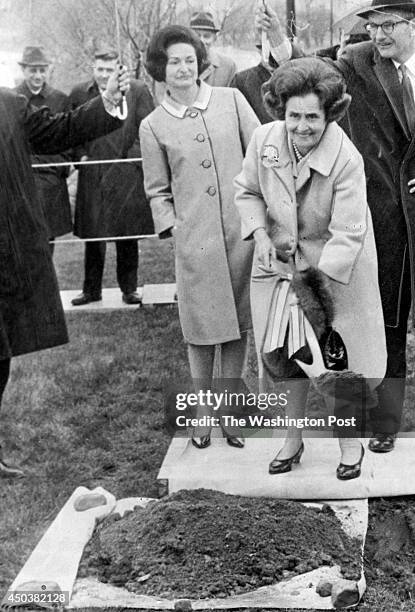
(122, 109)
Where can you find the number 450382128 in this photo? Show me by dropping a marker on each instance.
(51, 598)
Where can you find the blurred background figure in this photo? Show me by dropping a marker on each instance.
(50, 182)
(110, 199)
(219, 69)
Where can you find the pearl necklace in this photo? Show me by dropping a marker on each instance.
(297, 153)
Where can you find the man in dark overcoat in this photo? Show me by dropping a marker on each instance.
(380, 76)
(50, 182)
(110, 199)
(250, 81)
(31, 315)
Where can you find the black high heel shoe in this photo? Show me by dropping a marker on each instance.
(348, 472)
(280, 466)
(202, 442)
(235, 441)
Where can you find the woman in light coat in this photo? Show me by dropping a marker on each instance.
(193, 146)
(303, 184)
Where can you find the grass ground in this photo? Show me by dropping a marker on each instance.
(91, 413)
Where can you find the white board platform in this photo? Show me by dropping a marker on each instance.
(55, 561)
(163, 293)
(245, 471)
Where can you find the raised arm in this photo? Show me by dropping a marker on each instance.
(49, 133)
(282, 49)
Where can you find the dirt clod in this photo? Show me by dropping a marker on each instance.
(344, 593)
(204, 544)
(324, 588)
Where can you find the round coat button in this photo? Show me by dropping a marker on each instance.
(211, 191)
(200, 138)
(206, 163)
(193, 114)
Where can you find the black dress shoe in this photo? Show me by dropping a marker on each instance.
(348, 472)
(131, 298)
(235, 441)
(382, 443)
(10, 471)
(280, 466)
(202, 442)
(86, 298)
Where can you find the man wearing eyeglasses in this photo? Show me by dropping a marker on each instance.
(380, 76)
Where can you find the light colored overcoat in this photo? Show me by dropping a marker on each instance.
(190, 158)
(317, 212)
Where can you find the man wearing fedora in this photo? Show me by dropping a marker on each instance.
(50, 182)
(221, 69)
(31, 315)
(380, 76)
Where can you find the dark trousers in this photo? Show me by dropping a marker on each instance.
(4, 375)
(386, 418)
(127, 265)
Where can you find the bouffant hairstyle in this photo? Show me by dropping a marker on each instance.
(305, 76)
(156, 57)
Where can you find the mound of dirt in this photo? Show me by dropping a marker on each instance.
(201, 544)
(390, 545)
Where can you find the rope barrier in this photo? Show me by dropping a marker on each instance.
(89, 162)
(104, 239)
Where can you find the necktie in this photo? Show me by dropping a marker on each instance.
(408, 99)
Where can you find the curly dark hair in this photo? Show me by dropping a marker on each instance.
(305, 76)
(156, 57)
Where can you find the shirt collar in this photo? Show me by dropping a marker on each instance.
(43, 92)
(410, 64)
(92, 86)
(179, 110)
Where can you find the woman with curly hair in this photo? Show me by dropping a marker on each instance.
(302, 197)
(193, 146)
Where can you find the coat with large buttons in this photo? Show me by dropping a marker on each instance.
(321, 218)
(190, 160)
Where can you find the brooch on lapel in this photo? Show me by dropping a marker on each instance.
(270, 156)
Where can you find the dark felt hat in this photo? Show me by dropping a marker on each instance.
(380, 5)
(105, 53)
(203, 21)
(34, 56)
